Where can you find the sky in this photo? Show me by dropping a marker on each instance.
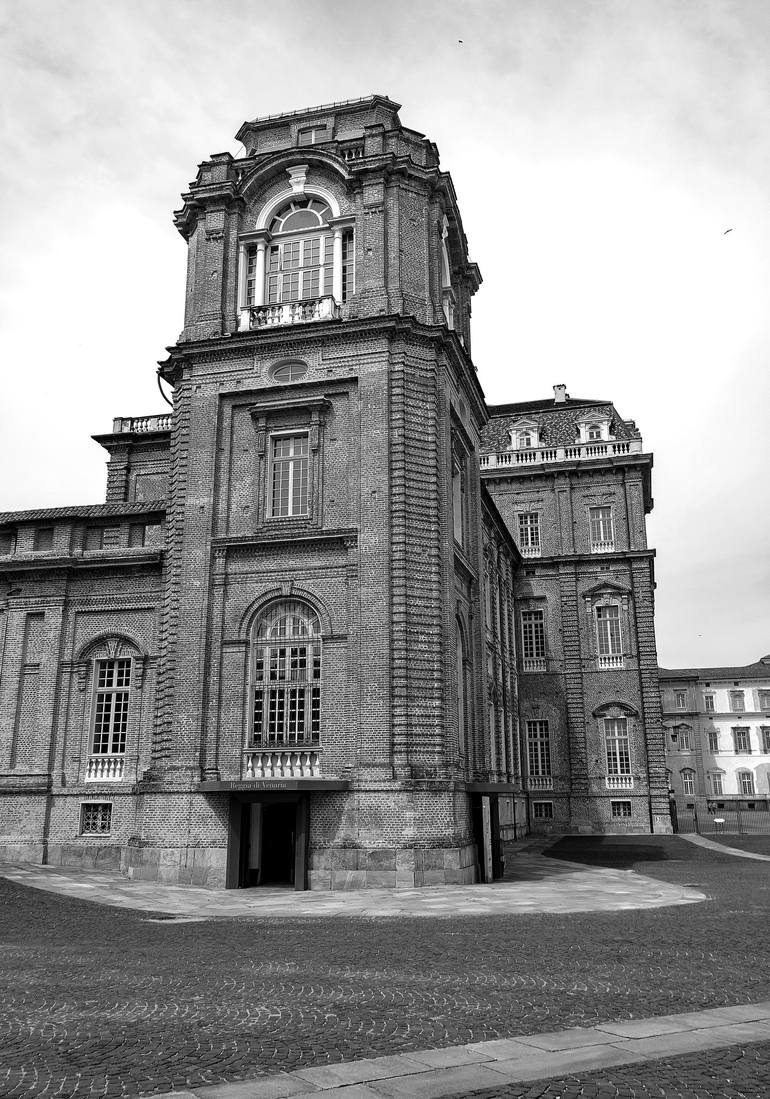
(600, 149)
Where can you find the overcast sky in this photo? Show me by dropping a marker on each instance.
(600, 150)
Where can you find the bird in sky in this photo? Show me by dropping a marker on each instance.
(726, 232)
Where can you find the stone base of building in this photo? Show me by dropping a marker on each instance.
(202, 866)
(391, 868)
(22, 852)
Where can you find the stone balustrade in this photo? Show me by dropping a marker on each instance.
(606, 546)
(293, 312)
(141, 424)
(296, 764)
(620, 782)
(354, 150)
(539, 782)
(613, 661)
(105, 768)
(533, 664)
(549, 454)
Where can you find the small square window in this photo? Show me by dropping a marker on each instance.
(95, 818)
(621, 808)
(542, 810)
(137, 533)
(43, 539)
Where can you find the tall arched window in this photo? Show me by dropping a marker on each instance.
(287, 676)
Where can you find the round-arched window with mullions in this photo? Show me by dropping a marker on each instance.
(286, 676)
(301, 214)
(289, 372)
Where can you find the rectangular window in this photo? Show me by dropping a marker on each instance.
(538, 749)
(617, 746)
(533, 638)
(713, 740)
(764, 700)
(43, 539)
(688, 783)
(312, 135)
(620, 808)
(289, 475)
(737, 702)
(680, 700)
(137, 533)
(716, 784)
(95, 818)
(708, 703)
(113, 680)
(764, 732)
(98, 538)
(529, 533)
(298, 269)
(458, 501)
(348, 266)
(602, 531)
(746, 782)
(742, 740)
(542, 810)
(683, 738)
(608, 638)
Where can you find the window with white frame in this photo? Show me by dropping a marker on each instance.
(713, 740)
(717, 783)
(533, 638)
(312, 135)
(538, 749)
(764, 733)
(593, 432)
(111, 702)
(602, 528)
(608, 636)
(708, 703)
(742, 740)
(529, 533)
(688, 782)
(617, 746)
(737, 702)
(746, 783)
(680, 700)
(620, 808)
(764, 700)
(527, 438)
(681, 737)
(289, 460)
(542, 810)
(287, 676)
(95, 818)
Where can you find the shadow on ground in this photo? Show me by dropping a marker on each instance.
(627, 852)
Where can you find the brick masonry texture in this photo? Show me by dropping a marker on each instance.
(402, 552)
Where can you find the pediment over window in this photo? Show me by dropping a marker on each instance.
(594, 429)
(524, 434)
(607, 708)
(605, 587)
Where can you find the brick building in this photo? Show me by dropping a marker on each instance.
(285, 648)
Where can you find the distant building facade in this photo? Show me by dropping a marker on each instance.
(299, 643)
(717, 727)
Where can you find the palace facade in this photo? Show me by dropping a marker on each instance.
(338, 623)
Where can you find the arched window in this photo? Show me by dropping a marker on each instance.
(526, 439)
(688, 782)
(287, 676)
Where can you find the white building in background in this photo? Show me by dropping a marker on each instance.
(717, 729)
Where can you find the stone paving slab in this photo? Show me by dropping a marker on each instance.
(461, 1070)
(534, 884)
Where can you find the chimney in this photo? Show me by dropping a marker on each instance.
(560, 394)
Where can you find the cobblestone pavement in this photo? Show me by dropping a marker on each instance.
(740, 1072)
(105, 1001)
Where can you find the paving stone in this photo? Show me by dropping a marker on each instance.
(358, 1072)
(576, 1038)
(461, 1080)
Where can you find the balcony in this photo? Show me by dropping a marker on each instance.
(352, 150)
(605, 546)
(533, 664)
(539, 782)
(613, 661)
(297, 764)
(140, 425)
(105, 768)
(620, 782)
(530, 551)
(293, 312)
(549, 454)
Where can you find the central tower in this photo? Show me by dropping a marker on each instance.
(322, 712)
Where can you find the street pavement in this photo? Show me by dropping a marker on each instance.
(97, 999)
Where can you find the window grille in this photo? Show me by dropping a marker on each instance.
(617, 746)
(289, 475)
(95, 818)
(287, 676)
(538, 749)
(113, 680)
(542, 810)
(620, 808)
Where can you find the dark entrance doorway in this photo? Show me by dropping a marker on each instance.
(268, 841)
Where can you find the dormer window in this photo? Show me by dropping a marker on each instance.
(594, 432)
(312, 135)
(526, 439)
(524, 435)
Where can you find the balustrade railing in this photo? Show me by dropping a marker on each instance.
(544, 455)
(539, 782)
(533, 663)
(298, 764)
(353, 151)
(611, 661)
(293, 312)
(141, 424)
(105, 768)
(531, 551)
(620, 782)
(606, 546)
